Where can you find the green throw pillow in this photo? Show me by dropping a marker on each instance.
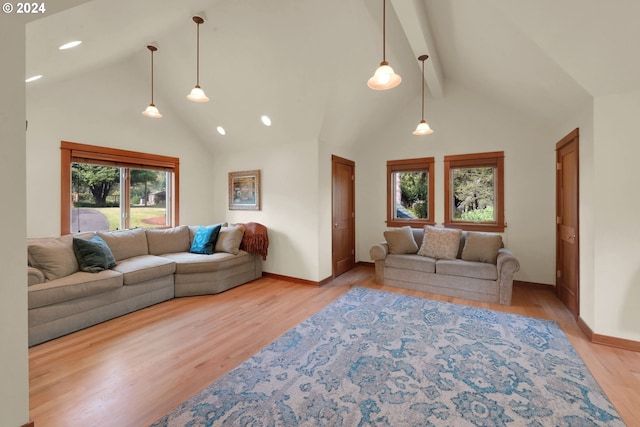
(93, 254)
(204, 241)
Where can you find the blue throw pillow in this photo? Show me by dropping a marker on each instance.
(93, 254)
(204, 241)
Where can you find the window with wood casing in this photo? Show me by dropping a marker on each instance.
(474, 191)
(107, 188)
(410, 192)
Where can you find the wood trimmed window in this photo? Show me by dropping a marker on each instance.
(410, 192)
(474, 191)
(125, 162)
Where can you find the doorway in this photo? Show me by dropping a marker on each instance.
(567, 222)
(343, 236)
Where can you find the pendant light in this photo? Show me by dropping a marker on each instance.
(423, 128)
(384, 78)
(151, 110)
(197, 94)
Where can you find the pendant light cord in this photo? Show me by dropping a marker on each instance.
(152, 77)
(198, 55)
(384, 30)
(423, 90)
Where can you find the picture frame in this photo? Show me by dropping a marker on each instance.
(244, 190)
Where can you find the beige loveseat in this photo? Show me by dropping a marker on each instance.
(461, 264)
(151, 265)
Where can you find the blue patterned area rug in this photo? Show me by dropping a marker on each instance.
(375, 358)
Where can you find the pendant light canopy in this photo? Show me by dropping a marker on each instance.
(423, 128)
(197, 94)
(384, 78)
(151, 110)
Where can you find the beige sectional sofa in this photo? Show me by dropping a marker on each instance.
(151, 265)
(448, 262)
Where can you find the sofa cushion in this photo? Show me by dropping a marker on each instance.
(440, 243)
(229, 239)
(205, 239)
(418, 235)
(126, 243)
(411, 262)
(400, 240)
(34, 276)
(78, 285)
(187, 263)
(144, 267)
(481, 247)
(168, 240)
(53, 256)
(471, 269)
(93, 254)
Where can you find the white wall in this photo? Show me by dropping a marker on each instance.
(289, 204)
(464, 122)
(103, 108)
(14, 370)
(616, 205)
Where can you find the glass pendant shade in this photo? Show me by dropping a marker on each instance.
(384, 78)
(197, 95)
(423, 129)
(152, 111)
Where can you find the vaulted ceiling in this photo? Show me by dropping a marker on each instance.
(305, 63)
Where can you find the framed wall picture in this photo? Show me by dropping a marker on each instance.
(244, 190)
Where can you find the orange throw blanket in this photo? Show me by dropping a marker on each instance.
(255, 239)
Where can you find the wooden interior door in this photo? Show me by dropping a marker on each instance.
(567, 225)
(343, 217)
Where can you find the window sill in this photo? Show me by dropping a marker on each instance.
(411, 223)
(472, 226)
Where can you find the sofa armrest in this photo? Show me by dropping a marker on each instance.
(506, 262)
(379, 251)
(34, 276)
(507, 266)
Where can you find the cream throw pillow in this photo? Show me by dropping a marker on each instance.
(229, 239)
(53, 256)
(400, 241)
(481, 247)
(440, 243)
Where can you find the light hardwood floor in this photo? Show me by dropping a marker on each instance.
(132, 370)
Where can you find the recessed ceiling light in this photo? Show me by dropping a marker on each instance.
(221, 130)
(70, 45)
(266, 120)
(33, 78)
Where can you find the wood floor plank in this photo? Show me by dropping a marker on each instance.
(132, 370)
